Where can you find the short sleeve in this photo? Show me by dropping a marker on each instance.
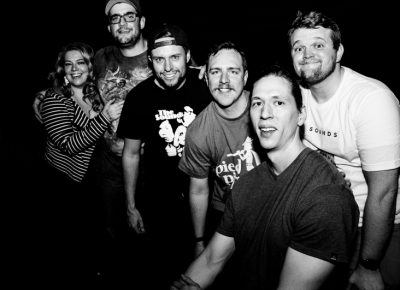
(377, 123)
(325, 224)
(131, 121)
(195, 160)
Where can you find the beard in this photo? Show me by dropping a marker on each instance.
(126, 41)
(316, 75)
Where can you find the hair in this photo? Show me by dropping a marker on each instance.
(314, 20)
(279, 71)
(57, 77)
(228, 45)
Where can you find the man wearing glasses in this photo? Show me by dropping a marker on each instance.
(117, 69)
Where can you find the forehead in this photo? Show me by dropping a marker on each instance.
(271, 87)
(73, 55)
(305, 35)
(122, 8)
(225, 58)
(167, 51)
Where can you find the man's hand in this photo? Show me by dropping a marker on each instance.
(185, 283)
(37, 105)
(135, 221)
(365, 279)
(202, 70)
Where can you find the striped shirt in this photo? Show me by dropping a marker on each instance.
(71, 135)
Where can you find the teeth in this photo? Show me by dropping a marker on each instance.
(267, 129)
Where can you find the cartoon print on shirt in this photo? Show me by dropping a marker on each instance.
(230, 169)
(175, 140)
(247, 154)
(115, 85)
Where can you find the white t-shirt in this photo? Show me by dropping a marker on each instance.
(358, 129)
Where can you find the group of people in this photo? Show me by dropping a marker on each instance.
(201, 183)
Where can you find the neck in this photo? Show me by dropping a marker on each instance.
(323, 91)
(158, 83)
(139, 47)
(237, 108)
(283, 157)
(77, 92)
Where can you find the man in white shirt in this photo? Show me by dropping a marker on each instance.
(354, 121)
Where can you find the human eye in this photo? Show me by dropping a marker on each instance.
(175, 57)
(130, 16)
(158, 59)
(256, 103)
(115, 18)
(319, 45)
(298, 49)
(81, 62)
(214, 72)
(235, 71)
(279, 103)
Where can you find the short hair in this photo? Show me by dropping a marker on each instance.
(314, 20)
(280, 71)
(228, 45)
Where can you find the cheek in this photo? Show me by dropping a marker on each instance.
(212, 82)
(157, 67)
(254, 117)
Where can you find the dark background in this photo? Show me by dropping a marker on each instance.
(36, 30)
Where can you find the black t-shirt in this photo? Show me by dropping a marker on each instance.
(159, 118)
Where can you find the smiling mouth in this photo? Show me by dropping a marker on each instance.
(169, 76)
(224, 90)
(267, 130)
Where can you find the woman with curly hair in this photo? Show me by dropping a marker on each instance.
(74, 119)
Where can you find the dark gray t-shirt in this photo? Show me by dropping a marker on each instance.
(307, 207)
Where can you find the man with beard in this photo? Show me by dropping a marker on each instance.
(291, 221)
(354, 121)
(160, 211)
(117, 69)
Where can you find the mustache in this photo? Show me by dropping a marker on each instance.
(224, 87)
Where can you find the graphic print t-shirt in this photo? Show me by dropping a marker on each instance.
(160, 119)
(222, 147)
(117, 75)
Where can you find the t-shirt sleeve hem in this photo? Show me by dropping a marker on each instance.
(333, 257)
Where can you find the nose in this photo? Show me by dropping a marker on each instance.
(308, 53)
(224, 78)
(167, 65)
(266, 112)
(74, 67)
(122, 20)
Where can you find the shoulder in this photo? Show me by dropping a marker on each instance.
(360, 88)
(53, 96)
(316, 170)
(144, 87)
(104, 51)
(200, 124)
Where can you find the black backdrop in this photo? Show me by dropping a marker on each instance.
(38, 29)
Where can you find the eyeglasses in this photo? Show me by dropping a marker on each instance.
(128, 17)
